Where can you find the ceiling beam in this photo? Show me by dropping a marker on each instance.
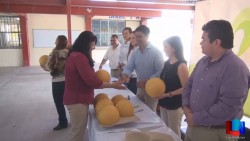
(138, 4)
(27, 8)
(132, 5)
(36, 2)
(45, 9)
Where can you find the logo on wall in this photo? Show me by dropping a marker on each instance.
(242, 22)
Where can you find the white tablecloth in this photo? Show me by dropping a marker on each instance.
(149, 121)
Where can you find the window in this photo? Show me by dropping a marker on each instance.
(104, 29)
(10, 35)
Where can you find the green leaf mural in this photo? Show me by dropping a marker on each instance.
(242, 22)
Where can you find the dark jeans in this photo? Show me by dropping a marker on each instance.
(132, 85)
(58, 92)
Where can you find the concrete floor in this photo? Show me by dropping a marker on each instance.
(27, 111)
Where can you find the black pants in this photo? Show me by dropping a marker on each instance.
(58, 92)
(132, 85)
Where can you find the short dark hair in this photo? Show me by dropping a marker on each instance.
(127, 28)
(220, 29)
(144, 29)
(114, 36)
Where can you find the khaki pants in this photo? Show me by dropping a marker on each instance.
(149, 101)
(116, 73)
(207, 134)
(78, 119)
(172, 119)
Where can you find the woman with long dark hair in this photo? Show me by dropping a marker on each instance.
(175, 76)
(56, 64)
(80, 83)
(132, 78)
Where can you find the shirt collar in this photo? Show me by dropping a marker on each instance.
(128, 42)
(147, 47)
(117, 46)
(227, 52)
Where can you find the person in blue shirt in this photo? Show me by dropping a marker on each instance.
(147, 61)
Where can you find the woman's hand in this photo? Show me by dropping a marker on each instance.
(164, 95)
(118, 85)
(44, 68)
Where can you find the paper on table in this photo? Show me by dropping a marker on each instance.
(147, 136)
(123, 120)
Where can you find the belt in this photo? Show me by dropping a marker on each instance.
(214, 126)
(114, 69)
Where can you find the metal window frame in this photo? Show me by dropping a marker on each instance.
(10, 32)
(108, 40)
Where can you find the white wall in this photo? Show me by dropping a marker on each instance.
(49, 21)
(11, 57)
(132, 24)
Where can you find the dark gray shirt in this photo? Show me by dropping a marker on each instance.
(216, 91)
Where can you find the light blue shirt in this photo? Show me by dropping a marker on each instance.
(147, 64)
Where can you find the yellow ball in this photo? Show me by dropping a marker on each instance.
(108, 115)
(117, 98)
(43, 59)
(125, 108)
(101, 96)
(155, 87)
(103, 75)
(101, 104)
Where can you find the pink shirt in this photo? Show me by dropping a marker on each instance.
(80, 80)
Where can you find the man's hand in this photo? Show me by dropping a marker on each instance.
(189, 119)
(124, 78)
(187, 110)
(141, 84)
(100, 67)
(122, 65)
(189, 115)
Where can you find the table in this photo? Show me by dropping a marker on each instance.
(149, 121)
